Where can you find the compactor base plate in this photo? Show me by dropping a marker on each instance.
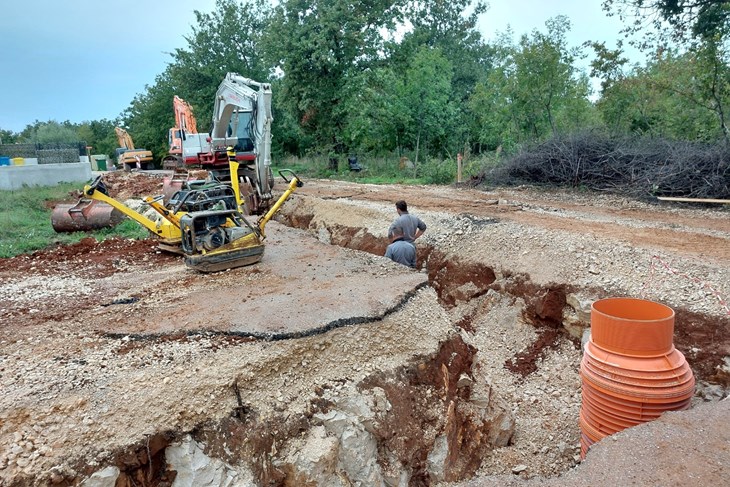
(219, 261)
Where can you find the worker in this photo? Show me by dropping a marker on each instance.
(399, 250)
(413, 227)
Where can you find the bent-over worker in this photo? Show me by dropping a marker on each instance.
(400, 250)
(412, 226)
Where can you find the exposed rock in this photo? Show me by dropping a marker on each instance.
(103, 478)
(314, 462)
(195, 469)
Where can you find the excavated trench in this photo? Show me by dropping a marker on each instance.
(437, 419)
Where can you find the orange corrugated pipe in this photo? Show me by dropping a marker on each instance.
(630, 372)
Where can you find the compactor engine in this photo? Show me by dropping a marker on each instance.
(206, 231)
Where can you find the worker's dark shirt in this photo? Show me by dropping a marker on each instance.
(402, 252)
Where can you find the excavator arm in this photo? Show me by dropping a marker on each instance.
(124, 139)
(184, 118)
(242, 119)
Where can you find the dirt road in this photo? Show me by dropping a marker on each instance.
(114, 355)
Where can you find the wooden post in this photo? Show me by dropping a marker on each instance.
(693, 200)
(459, 159)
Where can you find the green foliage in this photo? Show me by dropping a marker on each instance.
(425, 102)
(449, 28)
(8, 137)
(663, 22)
(680, 96)
(229, 39)
(436, 171)
(99, 134)
(25, 217)
(150, 116)
(533, 92)
(386, 78)
(444, 25)
(321, 46)
(225, 40)
(376, 170)
(51, 132)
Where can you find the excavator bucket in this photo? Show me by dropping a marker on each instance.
(84, 216)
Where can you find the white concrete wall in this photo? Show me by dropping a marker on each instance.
(15, 177)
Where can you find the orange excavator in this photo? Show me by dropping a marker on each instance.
(127, 156)
(188, 148)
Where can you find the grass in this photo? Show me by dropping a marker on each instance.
(389, 170)
(25, 219)
(376, 170)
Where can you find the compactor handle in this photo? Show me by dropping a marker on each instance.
(293, 175)
(96, 185)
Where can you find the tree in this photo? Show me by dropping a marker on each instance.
(695, 82)
(227, 40)
(150, 115)
(450, 26)
(320, 46)
(8, 137)
(50, 132)
(375, 118)
(675, 95)
(426, 94)
(534, 91)
(676, 20)
(100, 135)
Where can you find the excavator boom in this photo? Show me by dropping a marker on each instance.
(242, 121)
(188, 148)
(184, 118)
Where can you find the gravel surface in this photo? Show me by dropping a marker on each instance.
(86, 375)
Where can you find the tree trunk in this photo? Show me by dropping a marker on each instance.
(418, 144)
(718, 101)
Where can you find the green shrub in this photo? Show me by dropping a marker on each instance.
(435, 171)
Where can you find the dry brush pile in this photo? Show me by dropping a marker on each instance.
(637, 167)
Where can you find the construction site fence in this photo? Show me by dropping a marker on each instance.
(56, 153)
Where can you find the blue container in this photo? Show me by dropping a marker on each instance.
(4, 161)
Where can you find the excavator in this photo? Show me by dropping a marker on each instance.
(188, 148)
(205, 222)
(241, 131)
(129, 157)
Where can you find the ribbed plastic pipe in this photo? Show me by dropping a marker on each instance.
(630, 372)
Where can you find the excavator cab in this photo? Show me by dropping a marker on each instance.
(240, 128)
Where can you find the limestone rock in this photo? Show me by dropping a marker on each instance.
(436, 460)
(196, 469)
(103, 478)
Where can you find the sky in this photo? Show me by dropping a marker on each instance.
(86, 60)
